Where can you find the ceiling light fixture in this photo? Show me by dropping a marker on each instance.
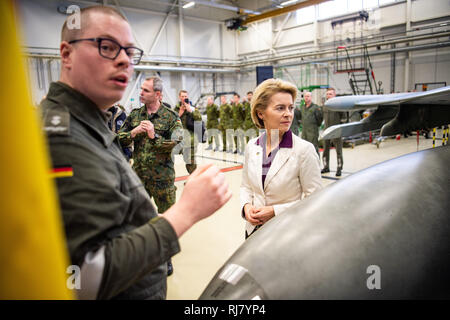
(188, 5)
(288, 2)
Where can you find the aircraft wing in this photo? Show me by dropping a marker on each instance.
(415, 110)
(380, 117)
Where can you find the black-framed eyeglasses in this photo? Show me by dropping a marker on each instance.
(110, 49)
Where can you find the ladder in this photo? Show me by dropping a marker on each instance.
(360, 71)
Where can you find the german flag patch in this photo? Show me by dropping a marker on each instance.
(61, 172)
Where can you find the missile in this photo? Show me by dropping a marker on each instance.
(381, 233)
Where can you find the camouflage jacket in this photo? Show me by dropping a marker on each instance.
(238, 115)
(226, 117)
(188, 119)
(212, 116)
(152, 157)
(248, 121)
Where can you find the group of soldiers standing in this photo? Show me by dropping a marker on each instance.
(233, 122)
(158, 131)
(230, 126)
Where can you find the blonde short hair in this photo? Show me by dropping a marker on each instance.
(264, 92)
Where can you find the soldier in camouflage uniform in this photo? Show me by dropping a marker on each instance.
(212, 123)
(311, 118)
(225, 123)
(238, 124)
(251, 131)
(188, 115)
(155, 131)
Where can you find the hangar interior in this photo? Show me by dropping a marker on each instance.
(193, 49)
(205, 49)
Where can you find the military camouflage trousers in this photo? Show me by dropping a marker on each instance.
(162, 192)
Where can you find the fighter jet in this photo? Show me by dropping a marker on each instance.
(395, 113)
(389, 242)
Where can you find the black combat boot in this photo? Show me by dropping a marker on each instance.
(169, 267)
(325, 170)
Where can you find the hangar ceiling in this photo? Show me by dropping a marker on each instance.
(218, 10)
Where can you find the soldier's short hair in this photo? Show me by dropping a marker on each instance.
(263, 94)
(237, 94)
(250, 92)
(72, 34)
(331, 89)
(182, 91)
(157, 83)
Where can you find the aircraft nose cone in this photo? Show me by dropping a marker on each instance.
(233, 282)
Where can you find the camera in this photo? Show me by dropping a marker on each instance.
(186, 100)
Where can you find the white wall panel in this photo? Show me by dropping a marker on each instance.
(257, 37)
(145, 28)
(393, 15)
(40, 22)
(431, 66)
(302, 34)
(429, 9)
(202, 39)
(229, 48)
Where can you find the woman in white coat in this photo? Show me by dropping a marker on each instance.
(280, 169)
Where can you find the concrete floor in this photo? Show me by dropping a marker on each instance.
(207, 245)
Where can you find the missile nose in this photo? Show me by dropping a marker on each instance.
(333, 103)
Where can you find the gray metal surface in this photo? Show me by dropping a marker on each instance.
(381, 233)
(416, 110)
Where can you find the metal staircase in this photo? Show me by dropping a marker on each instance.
(360, 71)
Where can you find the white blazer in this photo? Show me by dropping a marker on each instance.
(293, 175)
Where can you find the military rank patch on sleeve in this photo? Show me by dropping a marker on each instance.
(57, 123)
(61, 172)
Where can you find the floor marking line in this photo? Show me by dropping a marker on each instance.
(182, 178)
(224, 160)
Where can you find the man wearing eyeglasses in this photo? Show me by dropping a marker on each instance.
(113, 232)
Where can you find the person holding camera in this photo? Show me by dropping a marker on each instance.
(188, 115)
